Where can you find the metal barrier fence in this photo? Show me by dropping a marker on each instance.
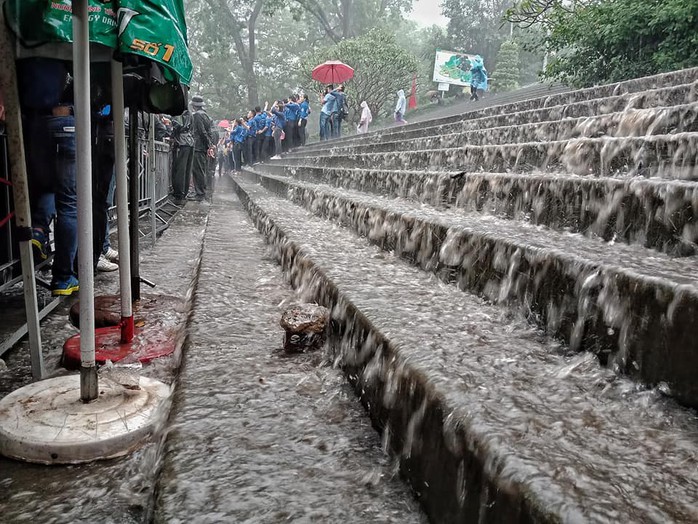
(10, 272)
(153, 188)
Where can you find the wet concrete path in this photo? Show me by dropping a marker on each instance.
(257, 436)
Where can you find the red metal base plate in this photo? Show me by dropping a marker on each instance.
(159, 330)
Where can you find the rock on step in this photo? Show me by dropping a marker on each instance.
(489, 423)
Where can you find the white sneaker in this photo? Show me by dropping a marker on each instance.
(112, 255)
(276, 157)
(105, 266)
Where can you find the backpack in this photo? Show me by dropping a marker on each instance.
(341, 105)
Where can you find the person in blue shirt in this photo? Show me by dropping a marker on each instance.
(303, 116)
(259, 125)
(338, 111)
(249, 140)
(268, 146)
(239, 135)
(291, 112)
(328, 105)
(278, 127)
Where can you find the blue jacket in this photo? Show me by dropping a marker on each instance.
(239, 134)
(279, 118)
(291, 111)
(339, 99)
(305, 109)
(329, 103)
(269, 123)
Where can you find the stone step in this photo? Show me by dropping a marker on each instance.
(672, 156)
(631, 123)
(658, 214)
(633, 307)
(490, 421)
(514, 115)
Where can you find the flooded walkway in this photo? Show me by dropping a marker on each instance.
(257, 436)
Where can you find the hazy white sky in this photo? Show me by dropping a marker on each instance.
(427, 12)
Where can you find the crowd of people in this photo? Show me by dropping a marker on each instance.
(268, 132)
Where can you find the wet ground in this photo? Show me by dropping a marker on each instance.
(116, 491)
(590, 446)
(256, 435)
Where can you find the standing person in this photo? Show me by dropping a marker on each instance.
(303, 121)
(366, 118)
(183, 144)
(249, 139)
(201, 131)
(291, 110)
(211, 161)
(49, 137)
(279, 122)
(239, 135)
(260, 128)
(268, 146)
(478, 80)
(326, 113)
(400, 108)
(339, 111)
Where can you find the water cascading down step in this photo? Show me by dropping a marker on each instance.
(513, 296)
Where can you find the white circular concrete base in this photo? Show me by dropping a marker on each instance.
(46, 422)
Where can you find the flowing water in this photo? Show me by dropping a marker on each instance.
(556, 422)
(257, 435)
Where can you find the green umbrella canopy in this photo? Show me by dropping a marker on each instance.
(152, 29)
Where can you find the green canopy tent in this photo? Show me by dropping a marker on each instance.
(140, 32)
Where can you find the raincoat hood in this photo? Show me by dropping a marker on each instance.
(401, 93)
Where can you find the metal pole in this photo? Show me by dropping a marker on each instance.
(83, 133)
(117, 89)
(134, 154)
(20, 194)
(151, 174)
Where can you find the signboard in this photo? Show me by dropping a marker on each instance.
(444, 86)
(452, 68)
(155, 29)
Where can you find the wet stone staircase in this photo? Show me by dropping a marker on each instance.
(514, 296)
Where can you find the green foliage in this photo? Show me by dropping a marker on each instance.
(342, 19)
(598, 41)
(476, 26)
(506, 76)
(381, 67)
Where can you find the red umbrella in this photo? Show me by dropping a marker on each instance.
(332, 72)
(224, 124)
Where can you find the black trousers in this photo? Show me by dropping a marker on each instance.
(249, 155)
(181, 171)
(199, 170)
(102, 173)
(268, 146)
(259, 148)
(302, 131)
(288, 140)
(237, 155)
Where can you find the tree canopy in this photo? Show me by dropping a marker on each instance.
(382, 67)
(599, 41)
